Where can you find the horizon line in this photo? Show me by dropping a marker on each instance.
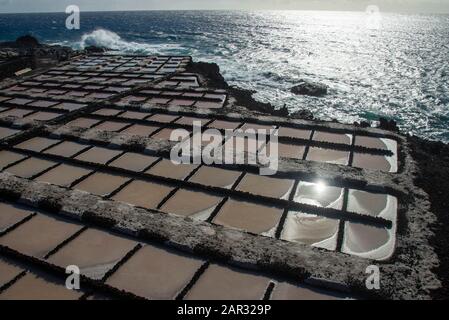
(243, 10)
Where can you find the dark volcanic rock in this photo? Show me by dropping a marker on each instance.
(302, 114)
(309, 88)
(362, 124)
(27, 52)
(213, 79)
(389, 125)
(211, 72)
(245, 98)
(27, 41)
(30, 47)
(58, 53)
(22, 43)
(94, 49)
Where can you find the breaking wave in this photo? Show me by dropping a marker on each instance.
(104, 38)
(108, 39)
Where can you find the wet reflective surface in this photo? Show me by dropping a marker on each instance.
(151, 272)
(101, 184)
(319, 194)
(133, 161)
(332, 137)
(369, 242)
(10, 215)
(155, 273)
(309, 228)
(39, 236)
(373, 162)
(295, 133)
(98, 155)
(169, 169)
(30, 167)
(66, 149)
(219, 283)
(63, 175)
(39, 287)
(140, 130)
(249, 217)
(37, 144)
(215, 177)
(287, 291)
(142, 193)
(328, 156)
(7, 158)
(8, 271)
(7, 132)
(94, 252)
(266, 186)
(191, 204)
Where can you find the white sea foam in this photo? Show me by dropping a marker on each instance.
(108, 39)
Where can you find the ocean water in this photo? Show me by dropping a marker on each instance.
(395, 66)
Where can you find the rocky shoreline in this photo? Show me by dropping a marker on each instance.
(27, 52)
(432, 158)
(433, 163)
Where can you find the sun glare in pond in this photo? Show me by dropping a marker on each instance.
(320, 186)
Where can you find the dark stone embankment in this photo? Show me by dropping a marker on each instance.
(27, 52)
(433, 177)
(309, 88)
